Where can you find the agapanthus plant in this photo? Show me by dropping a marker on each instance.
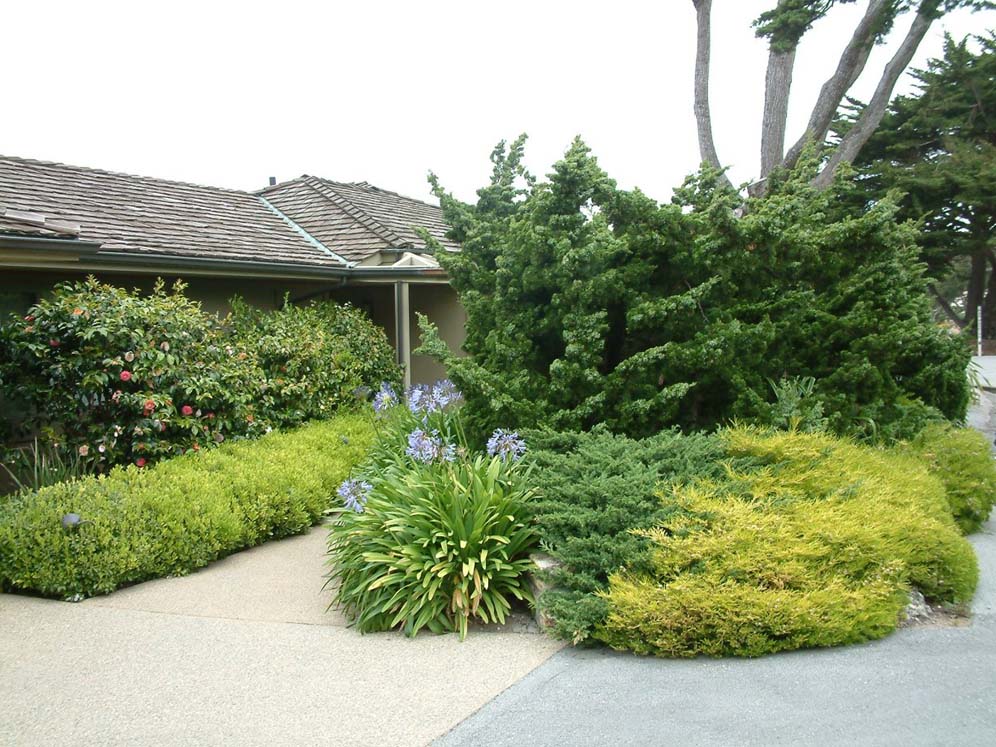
(423, 424)
(354, 494)
(506, 445)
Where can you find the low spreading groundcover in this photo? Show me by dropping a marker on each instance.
(752, 541)
(93, 535)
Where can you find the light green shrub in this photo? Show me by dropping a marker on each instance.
(817, 546)
(962, 459)
(178, 515)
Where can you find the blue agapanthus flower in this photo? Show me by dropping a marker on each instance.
(424, 446)
(385, 398)
(445, 394)
(354, 494)
(506, 444)
(419, 398)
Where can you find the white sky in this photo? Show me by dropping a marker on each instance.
(228, 94)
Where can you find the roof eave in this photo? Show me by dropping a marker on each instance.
(49, 244)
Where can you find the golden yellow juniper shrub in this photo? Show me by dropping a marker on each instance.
(962, 459)
(818, 546)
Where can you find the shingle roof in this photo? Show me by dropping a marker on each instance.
(357, 219)
(143, 215)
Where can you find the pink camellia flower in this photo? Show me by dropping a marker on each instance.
(84, 450)
(162, 426)
(210, 416)
(197, 447)
(126, 376)
(149, 405)
(187, 410)
(140, 462)
(29, 318)
(54, 343)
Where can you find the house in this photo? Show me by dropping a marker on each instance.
(307, 238)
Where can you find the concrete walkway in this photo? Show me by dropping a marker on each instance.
(241, 652)
(920, 686)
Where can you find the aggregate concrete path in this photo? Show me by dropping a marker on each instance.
(241, 652)
(919, 686)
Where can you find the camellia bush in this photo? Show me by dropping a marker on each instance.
(123, 377)
(589, 304)
(431, 535)
(114, 376)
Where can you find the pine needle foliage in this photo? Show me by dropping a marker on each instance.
(588, 304)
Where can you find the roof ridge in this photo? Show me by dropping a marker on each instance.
(91, 170)
(374, 187)
(324, 188)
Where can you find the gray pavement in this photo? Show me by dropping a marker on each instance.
(920, 686)
(241, 652)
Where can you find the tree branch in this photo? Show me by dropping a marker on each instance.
(852, 62)
(946, 307)
(872, 114)
(777, 84)
(703, 117)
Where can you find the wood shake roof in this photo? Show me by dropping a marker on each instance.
(357, 219)
(303, 222)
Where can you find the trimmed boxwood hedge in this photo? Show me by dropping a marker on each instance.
(167, 520)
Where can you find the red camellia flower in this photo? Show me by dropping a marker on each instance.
(187, 410)
(140, 462)
(29, 318)
(149, 405)
(54, 343)
(126, 376)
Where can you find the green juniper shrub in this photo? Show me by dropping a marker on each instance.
(962, 459)
(431, 535)
(817, 544)
(93, 535)
(589, 304)
(314, 357)
(594, 489)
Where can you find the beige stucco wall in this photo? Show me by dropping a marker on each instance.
(440, 304)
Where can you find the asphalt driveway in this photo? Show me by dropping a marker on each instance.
(920, 686)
